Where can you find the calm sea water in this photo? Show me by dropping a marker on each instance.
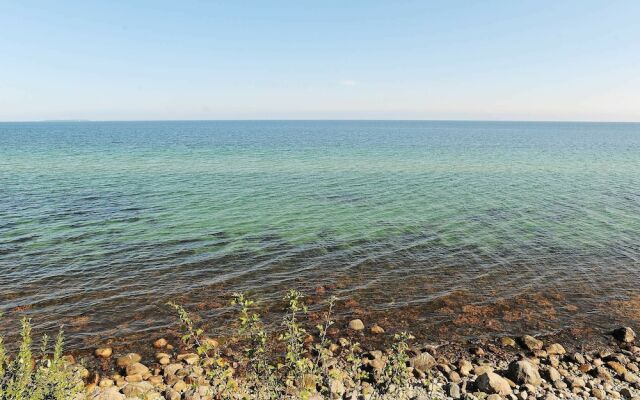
(449, 228)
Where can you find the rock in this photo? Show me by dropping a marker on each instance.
(617, 367)
(578, 358)
(478, 351)
(134, 378)
(377, 329)
(599, 394)
(481, 369)
(171, 394)
(111, 393)
(553, 374)
(336, 388)
(136, 369)
(189, 358)
(453, 390)
(626, 393)
(164, 361)
(465, 367)
(172, 369)
(423, 362)
(356, 325)
(179, 386)
(104, 352)
(106, 382)
(630, 378)
(524, 372)
(138, 389)
(624, 334)
(160, 343)
(128, 359)
(556, 348)
(531, 343)
(490, 382)
(576, 382)
(603, 374)
(507, 342)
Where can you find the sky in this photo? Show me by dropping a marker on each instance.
(346, 59)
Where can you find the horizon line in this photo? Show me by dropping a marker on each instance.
(318, 120)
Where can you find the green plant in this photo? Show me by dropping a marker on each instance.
(218, 372)
(252, 328)
(396, 371)
(48, 378)
(323, 354)
(294, 336)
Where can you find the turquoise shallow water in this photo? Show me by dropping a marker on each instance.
(515, 226)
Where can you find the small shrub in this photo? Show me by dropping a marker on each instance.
(48, 378)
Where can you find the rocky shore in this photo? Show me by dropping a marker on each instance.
(509, 368)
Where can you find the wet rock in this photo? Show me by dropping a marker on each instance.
(490, 382)
(104, 352)
(524, 372)
(531, 343)
(356, 325)
(624, 334)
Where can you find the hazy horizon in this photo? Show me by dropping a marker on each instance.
(500, 61)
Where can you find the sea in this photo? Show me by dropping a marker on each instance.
(449, 229)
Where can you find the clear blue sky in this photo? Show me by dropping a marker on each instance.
(523, 60)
